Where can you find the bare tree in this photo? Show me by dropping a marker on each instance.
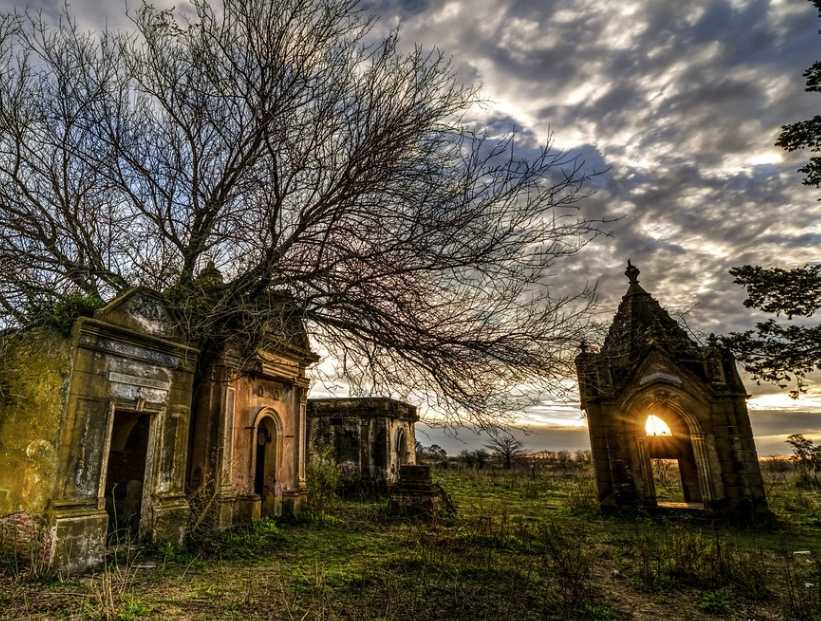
(262, 163)
(505, 447)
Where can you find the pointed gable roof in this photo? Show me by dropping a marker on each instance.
(641, 323)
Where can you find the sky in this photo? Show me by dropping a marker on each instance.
(681, 104)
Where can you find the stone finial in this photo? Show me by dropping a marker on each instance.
(632, 273)
(210, 275)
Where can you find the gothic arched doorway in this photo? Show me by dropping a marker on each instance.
(670, 471)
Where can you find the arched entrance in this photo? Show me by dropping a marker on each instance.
(669, 470)
(266, 455)
(126, 475)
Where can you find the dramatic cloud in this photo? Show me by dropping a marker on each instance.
(680, 103)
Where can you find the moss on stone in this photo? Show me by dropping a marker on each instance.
(34, 372)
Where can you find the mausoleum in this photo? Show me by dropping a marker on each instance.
(369, 437)
(94, 429)
(652, 392)
(250, 431)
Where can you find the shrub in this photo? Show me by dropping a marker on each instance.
(323, 480)
(60, 314)
(715, 602)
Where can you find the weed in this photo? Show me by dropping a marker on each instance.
(581, 498)
(569, 563)
(133, 609)
(323, 478)
(715, 602)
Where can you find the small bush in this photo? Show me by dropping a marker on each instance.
(60, 314)
(715, 602)
(323, 480)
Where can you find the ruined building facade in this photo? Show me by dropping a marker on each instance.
(108, 433)
(248, 444)
(94, 430)
(649, 366)
(370, 437)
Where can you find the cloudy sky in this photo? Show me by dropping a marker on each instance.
(681, 103)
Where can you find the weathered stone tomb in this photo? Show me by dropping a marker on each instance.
(650, 368)
(94, 429)
(369, 437)
(415, 495)
(250, 430)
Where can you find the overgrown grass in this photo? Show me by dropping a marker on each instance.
(524, 546)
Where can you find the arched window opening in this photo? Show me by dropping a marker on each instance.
(654, 426)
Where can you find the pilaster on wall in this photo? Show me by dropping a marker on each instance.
(227, 432)
(301, 433)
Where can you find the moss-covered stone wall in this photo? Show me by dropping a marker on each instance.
(34, 374)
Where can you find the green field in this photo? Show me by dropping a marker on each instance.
(524, 546)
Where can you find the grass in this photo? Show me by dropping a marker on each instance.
(522, 547)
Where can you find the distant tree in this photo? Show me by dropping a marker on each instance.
(807, 459)
(583, 456)
(805, 451)
(777, 352)
(505, 447)
(474, 459)
(467, 458)
(233, 154)
(564, 458)
(434, 452)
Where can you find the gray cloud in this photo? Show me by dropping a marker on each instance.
(681, 102)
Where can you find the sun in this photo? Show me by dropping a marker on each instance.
(656, 427)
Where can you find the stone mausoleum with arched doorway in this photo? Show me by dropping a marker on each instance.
(370, 438)
(653, 393)
(249, 432)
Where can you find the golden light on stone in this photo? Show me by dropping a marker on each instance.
(656, 427)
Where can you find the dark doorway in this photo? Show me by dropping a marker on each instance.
(125, 478)
(402, 448)
(265, 472)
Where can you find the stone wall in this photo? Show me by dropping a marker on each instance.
(365, 436)
(58, 411)
(33, 383)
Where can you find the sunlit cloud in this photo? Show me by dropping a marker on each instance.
(679, 102)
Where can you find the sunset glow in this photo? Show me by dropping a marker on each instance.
(656, 427)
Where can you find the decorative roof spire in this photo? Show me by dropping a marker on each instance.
(632, 272)
(210, 276)
(641, 322)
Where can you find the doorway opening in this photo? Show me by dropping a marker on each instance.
(667, 481)
(125, 478)
(265, 469)
(402, 448)
(672, 462)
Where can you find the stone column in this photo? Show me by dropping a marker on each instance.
(301, 433)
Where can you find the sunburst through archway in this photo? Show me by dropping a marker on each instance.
(656, 427)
